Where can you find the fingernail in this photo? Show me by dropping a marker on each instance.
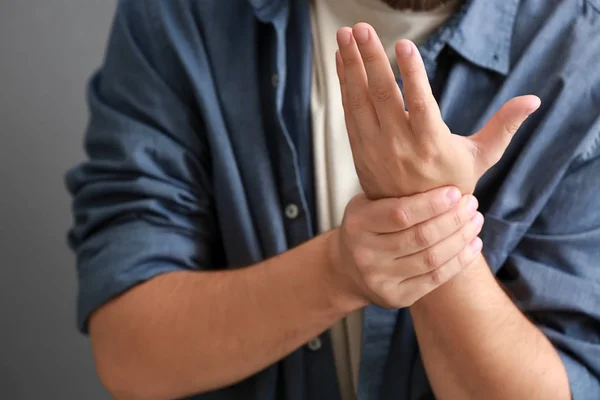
(403, 49)
(476, 245)
(453, 196)
(344, 37)
(472, 204)
(361, 34)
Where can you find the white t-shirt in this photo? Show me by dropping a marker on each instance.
(335, 175)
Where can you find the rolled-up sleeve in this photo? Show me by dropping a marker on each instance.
(554, 275)
(142, 202)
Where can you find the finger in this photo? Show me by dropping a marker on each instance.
(413, 289)
(424, 113)
(357, 102)
(397, 214)
(353, 135)
(426, 234)
(383, 89)
(493, 139)
(439, 254)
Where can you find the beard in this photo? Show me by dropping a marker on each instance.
(415, 5)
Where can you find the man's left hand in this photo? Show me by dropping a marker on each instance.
(399, 153)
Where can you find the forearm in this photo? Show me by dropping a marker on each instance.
(475, 343)
(191, 332)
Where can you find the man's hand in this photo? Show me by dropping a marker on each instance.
(471, 335)
(392, 252)
(399, 153)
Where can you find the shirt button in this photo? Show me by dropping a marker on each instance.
(275, 80)
(315, 344)
(292, 211)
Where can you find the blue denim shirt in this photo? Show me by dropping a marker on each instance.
(199, 138)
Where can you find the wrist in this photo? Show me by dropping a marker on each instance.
(344, 293)
(476, 278)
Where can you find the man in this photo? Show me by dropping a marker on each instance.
(221, 144)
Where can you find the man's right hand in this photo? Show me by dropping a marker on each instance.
(392, 252)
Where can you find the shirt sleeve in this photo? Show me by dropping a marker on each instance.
(142, 203)
(554, 275)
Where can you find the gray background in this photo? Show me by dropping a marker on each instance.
(48, 48)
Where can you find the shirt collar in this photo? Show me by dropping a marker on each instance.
(267, 10)
(481, 32)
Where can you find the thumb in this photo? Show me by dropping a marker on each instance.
(493, 139)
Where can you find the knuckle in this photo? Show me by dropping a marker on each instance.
(351, 61)
(356, 101)
(369, 57)
(418, 103)
(423, 235)
(511, 127)
(401, 216)
(458, 220)
(465, 258)
(379, 93)
(436, 277)
(411, 70)
(431, 259)
(432, 207)
(462, 260)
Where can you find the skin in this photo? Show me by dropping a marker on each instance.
(402, 153)
(190, 332)
(475, 343)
